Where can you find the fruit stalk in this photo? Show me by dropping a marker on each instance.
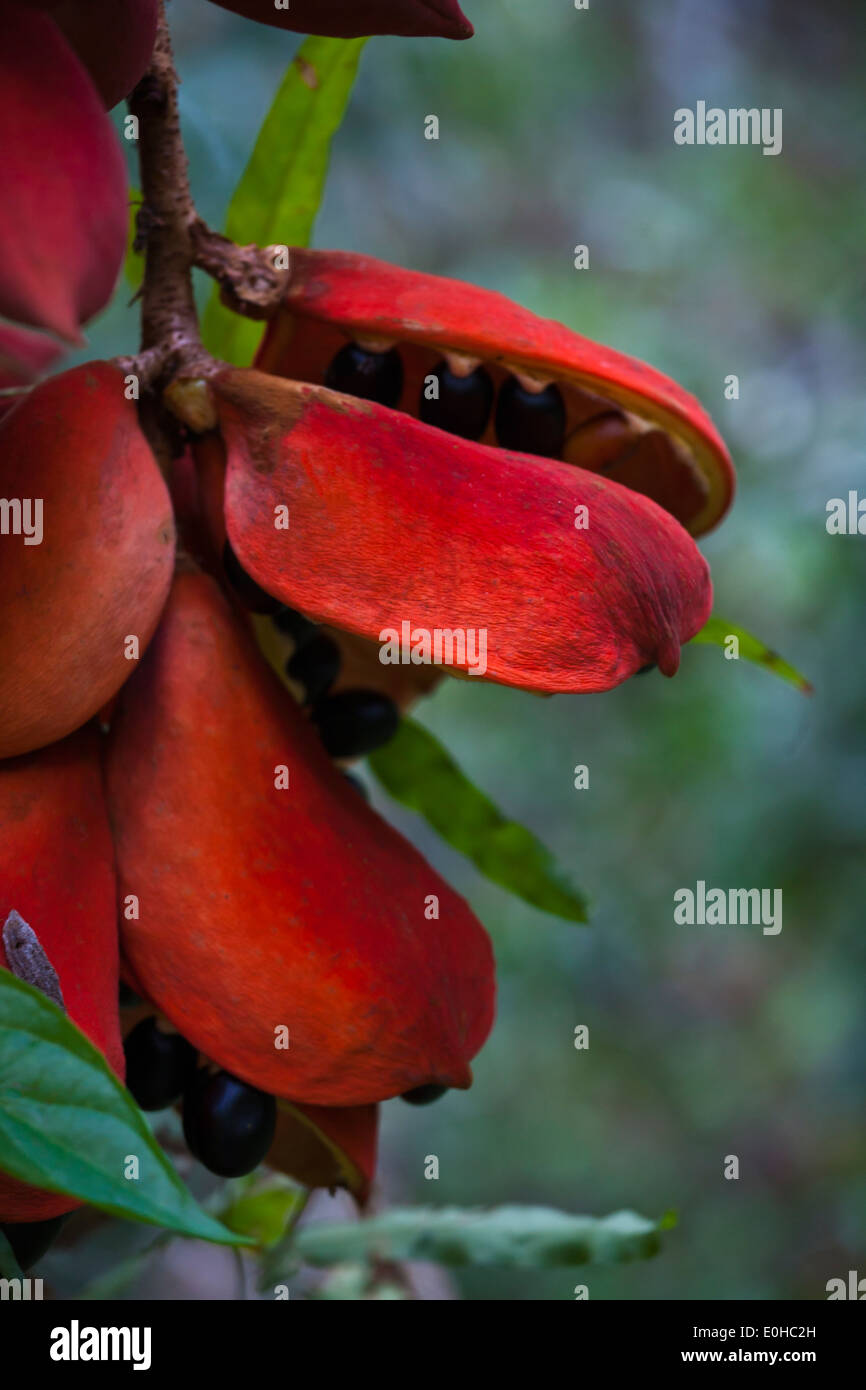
(170, 332)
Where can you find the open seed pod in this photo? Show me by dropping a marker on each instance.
(450, 461)
(575, 581)
(508, 377)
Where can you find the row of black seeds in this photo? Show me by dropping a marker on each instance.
(530, 422)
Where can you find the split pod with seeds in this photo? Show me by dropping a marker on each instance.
(558, 386)
(447, 457)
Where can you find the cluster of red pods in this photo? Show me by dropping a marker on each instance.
(250, 909)
(177, 814)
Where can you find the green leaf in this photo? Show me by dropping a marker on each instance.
(718, 630)
(417, 771)
(512, 1237)
(68, 1125)
(278, 196)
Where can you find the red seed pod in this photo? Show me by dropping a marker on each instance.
(335, 297)
(272, 897)
(576, 581)
(360, 667)
(57, 874)
(63, 219)
(96, 566)
(113, 38)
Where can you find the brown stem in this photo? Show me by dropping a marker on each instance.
(253, 279)
(169, 323)
(174, 239)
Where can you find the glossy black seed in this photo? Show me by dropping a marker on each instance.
(251, 594)
(464, 403)
(372, 376)
(355, 722)
(31, 1239)
(528, 421)
(158, 1065)
(358, 785)
(228, 1125)
(294, 625)
(424, 1095)
(316, 665)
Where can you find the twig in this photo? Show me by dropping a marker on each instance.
(174, 239)
(253, 279)
(169, 322)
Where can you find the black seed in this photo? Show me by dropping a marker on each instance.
(158, 1065)
(464, 402)
(31, 1239)
(530, 422)
(424, 1095)
(126, 997)
(358, 785)
(251, 594)
(228, 1125)
(372, 376)
(294, 625)
(315, 666)
(355, 722)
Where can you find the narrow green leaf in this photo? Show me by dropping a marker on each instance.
(718, 630)
(513, 1237)
(68, 1125)
(280, 190)
(417, 771)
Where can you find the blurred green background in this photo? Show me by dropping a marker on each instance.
(556, 128)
